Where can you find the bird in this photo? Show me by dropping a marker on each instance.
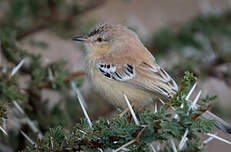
(118, 64)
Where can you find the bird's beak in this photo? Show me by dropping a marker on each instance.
(80, 38)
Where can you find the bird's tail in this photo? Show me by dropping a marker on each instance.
(220, 123)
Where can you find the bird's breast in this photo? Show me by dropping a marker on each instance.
(114, 90)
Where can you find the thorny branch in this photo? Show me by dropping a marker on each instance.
(55, 18)
(67, 80)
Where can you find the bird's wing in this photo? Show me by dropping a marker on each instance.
(139, 69)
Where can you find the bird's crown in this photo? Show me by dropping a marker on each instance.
(100, 28)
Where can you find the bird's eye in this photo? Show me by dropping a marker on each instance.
(99, 39)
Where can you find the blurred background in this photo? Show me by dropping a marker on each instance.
(192, 35)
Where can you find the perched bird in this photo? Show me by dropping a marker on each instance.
(118, 63)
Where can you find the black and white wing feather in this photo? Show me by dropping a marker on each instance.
(140, 71)
(127, 72)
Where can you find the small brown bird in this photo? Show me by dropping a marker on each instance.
(118, 63)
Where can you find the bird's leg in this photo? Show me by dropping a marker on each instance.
(125, 111)
(140, 108)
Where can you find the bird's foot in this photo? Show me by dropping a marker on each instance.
(125, 111)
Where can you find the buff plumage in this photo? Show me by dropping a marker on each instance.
(118, 64)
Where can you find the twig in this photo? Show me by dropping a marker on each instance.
(28, 138)
(194, 103)
(139, 134)
(18, 107)
(74, 75)
(17, 68)
(191, 91)
(173, 145)
(132, 111)
(158, 147)
(5, 133)
(81, 102)
(51, 77)
(52, 143)
(219, 138)
(67, 80)
(183, 140)
(208, 139)
(152, 148)
(125, 145)
(155, 108)
(176, 116)
(30, 123)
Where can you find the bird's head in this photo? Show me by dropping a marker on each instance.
(106, 37)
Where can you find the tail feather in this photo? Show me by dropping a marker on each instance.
(220, 123)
